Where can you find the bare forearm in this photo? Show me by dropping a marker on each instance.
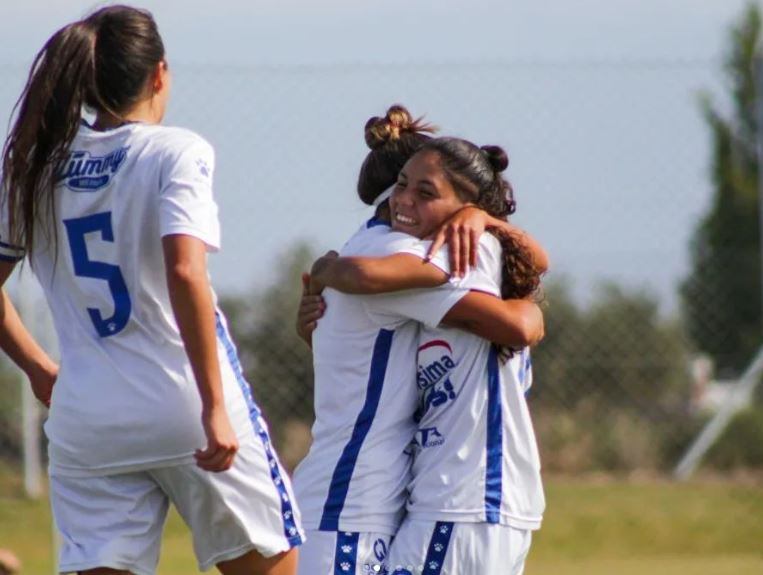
(193, 307)
(364, 275)
(18, 343)
(511, 323)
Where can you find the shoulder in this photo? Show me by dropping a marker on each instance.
(175, 142)
(489, 254)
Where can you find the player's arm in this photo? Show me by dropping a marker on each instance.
(311, 309)
(367, 275)
(511, 323)
(462, 232)
(191, 298)
(21, 347)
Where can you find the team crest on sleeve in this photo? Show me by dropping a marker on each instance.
(203, 167)
(435, 366)
(83, 172)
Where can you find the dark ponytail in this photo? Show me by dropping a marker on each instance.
(102, 62)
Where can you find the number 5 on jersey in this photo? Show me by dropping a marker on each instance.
(85, 267)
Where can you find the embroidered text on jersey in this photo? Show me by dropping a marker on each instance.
(82, 172)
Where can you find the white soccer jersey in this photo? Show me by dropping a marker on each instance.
(126, 398)
(475, 454)
(364, 353)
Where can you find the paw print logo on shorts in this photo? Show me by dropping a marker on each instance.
(287, 515)
(347, 549)
(345, 566)
(292, 530)
(433, 565)
(444, 529)
(439, 547)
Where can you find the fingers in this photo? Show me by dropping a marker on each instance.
(311, 309)
(437, 243)
(454, 251)
(43, 392)
(466, 247)
(474, 239)
(305, 283)
(216, 457)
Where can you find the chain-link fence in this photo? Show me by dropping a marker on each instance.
(613, 167)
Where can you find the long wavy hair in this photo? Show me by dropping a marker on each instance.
(103, 63)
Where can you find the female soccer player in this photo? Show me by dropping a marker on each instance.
(476, 491)
(149, 405)
(351, 485)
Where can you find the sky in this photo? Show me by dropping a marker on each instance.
(595, 100)
(303, 31)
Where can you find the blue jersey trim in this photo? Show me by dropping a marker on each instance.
(494, 470)
(346, 553)
(340, 481)
(10, 259)
(438, 547)
(373, 222)
(291, 532)
(11, 246)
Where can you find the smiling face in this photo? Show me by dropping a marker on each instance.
(423, 197)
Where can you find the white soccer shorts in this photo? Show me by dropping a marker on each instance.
(348, 553)
(117, 520)
(447, 548)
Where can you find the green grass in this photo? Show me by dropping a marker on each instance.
(591, 528)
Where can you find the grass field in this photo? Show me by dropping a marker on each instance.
(591, 527)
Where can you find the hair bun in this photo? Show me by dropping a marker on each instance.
(398, 120)
(497, 157)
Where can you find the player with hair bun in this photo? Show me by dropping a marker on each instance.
(352, 484)
(149, 405)
(475, 495)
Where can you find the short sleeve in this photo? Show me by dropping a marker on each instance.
(186, 202)
(420, 248)
(8, 251)
(487, 275)
(427, 306)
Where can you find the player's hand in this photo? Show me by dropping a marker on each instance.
(320, 267)
(311, 309)
(222, 443)
(43, 379)
(462, 233)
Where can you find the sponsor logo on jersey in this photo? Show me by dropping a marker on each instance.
(429, 437)
(435, 359)
(82, 172)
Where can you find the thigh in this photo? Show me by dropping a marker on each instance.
(350, 553)
(113, 521)
(248, 507)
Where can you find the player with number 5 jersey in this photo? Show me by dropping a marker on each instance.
(149, 405)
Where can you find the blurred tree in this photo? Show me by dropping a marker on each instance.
(618, 353)
(722, 294)
(277, 364)
(612, 388)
